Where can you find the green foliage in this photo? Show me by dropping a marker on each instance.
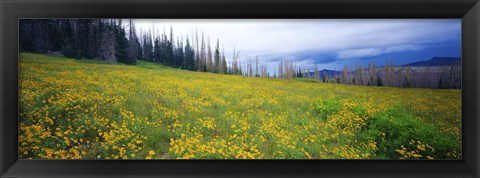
(327, 107)
(224, 65)
(162, 112)
(189, 60)
(398, 132)
(379, 81)
(121, 48)
(216, 59)
(79, 38)
(308, 80)
(179, 56)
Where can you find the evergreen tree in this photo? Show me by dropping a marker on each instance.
(26, 38)
(69, 46)
(157, 50)
(223, 69)
(147, 49)
(299, 73)
(179, 56)
(82, 42)
(121, 46)
(216, 59)
(133, 45)
(94, 39)
(38, 35)
(107, 44)
(379, 81)
(170, 58)
(189, 56)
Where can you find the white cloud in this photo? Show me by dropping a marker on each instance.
(357, 53)
(281, 37)
(371, 52)
(407, 47)
(274, 39)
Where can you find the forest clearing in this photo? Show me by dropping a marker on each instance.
(87, 109)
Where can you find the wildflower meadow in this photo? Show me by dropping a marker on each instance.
(87, 109)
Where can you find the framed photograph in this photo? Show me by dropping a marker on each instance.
(240, 88)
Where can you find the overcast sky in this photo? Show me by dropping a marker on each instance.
(330, 43)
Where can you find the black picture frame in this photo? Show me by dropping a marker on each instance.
(467, 10)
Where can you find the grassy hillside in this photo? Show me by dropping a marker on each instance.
(83, 109)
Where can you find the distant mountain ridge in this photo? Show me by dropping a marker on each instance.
(434, 61)
(330, 73)
(437, 61)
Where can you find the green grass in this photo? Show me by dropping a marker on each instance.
(87, 109)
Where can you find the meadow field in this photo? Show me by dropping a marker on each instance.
(86, 109)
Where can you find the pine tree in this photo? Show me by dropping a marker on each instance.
(299, 73)
(224, 62)
(133, 45)
(94, 39)
(164, 56)
(82, 36)
(157, 50)
(121, 46)
(223, 68)
(147, 49)
(379, 81)
(189, 56)
(218, 63)
(179, 55)
(69, 47)
(107, 44)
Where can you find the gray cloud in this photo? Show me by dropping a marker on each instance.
(307, 39)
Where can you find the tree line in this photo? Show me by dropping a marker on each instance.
(441, 77)
(80, 38)
(116, 40)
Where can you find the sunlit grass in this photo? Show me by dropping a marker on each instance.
(84, 109)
